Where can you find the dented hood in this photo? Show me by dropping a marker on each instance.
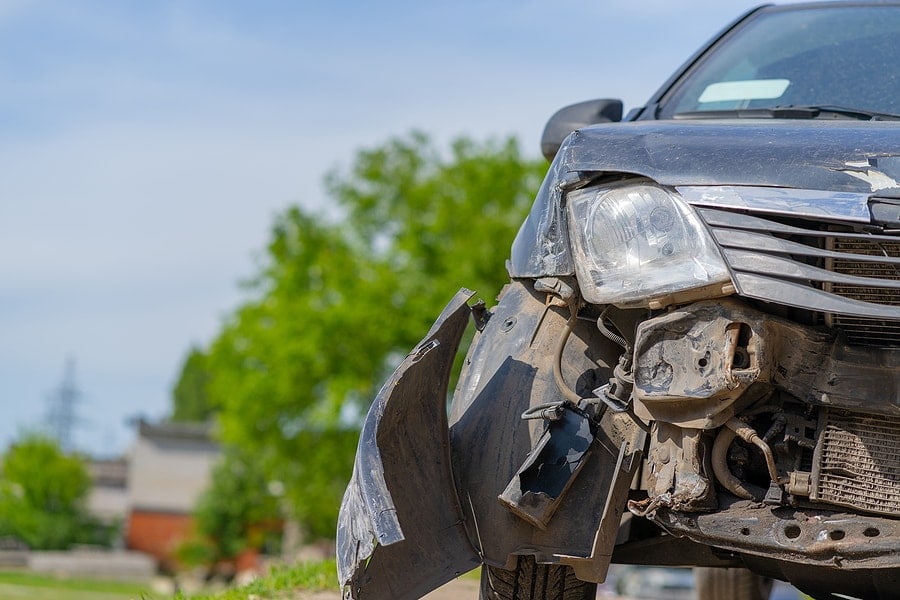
(807, 154)
(847, 160)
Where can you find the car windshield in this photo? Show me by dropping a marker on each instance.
(842, 57)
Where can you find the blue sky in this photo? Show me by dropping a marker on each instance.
(146, 146)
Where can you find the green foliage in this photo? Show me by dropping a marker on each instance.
(236, 511)
(41, 497)
(338, 303)
(281, 582)
(319, 477)
(196, 551)
(437, 221)
(190, 401)
(308, 576)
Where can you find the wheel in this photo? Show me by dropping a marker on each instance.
(731, 584)
(534, 581)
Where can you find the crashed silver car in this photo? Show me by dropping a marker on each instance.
(697, 359)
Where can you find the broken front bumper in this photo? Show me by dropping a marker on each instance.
(400, 531)
(410, 521)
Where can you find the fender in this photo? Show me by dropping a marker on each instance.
(509, 370)
(400, 529)
(422, 506)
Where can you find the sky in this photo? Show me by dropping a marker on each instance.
(145, 148)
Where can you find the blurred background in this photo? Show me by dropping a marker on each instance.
(222, 224)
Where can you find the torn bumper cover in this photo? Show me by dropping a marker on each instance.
(401, 528)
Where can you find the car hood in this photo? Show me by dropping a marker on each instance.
(808, 154)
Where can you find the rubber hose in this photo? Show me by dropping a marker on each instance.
(747, 491)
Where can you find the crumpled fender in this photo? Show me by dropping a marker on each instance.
(401, 527)
(410, 521)
(508, 371)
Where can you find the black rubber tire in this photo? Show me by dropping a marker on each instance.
(534, 581)
(731, 584)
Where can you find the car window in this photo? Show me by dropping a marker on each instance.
(834, 56)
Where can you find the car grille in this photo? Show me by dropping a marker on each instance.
(857, 462)
(849, 280)
(866, 332)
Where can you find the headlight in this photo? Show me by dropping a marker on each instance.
(635, 242)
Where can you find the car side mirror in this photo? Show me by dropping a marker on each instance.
(568, 119)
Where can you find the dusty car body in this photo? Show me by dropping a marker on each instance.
(697, 359)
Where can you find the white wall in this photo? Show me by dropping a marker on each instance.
(169, 474)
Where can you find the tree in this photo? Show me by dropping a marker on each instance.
(282, 367)
(338, 303)
(239, 507)
(190, 400)
(42, 495)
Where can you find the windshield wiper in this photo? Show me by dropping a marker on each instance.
(855, 113)
(791, 112)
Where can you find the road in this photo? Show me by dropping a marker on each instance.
(467, 589)
(459, 589)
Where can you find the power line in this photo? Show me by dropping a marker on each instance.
(61, 413)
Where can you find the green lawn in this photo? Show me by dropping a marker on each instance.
(16, 585)
(281, 582)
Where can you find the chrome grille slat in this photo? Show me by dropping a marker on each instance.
(765, 242)
(790, 293)
(762, 264)
(718, 218)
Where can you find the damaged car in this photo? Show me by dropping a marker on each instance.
(696, 361)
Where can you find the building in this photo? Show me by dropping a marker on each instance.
(108, 497)
(170, 466)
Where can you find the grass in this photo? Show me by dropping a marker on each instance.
(281, 583)
(18, 585)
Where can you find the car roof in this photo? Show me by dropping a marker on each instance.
(826, 4)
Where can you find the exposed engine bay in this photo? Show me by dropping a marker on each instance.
(747, 406)
(771, 442)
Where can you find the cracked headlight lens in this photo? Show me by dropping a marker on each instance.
(636, 242)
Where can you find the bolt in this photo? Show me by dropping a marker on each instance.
(663, 454)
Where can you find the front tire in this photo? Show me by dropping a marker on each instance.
(731, 584)
(534, 581)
